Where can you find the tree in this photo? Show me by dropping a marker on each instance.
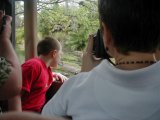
(19, 9)
(69, 21)
(76, 24)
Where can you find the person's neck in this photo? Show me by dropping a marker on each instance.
(134, 60)
(157, 54)
(45, 60)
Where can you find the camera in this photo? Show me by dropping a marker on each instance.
(6, 7)
(98, 46)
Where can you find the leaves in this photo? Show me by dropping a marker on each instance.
(70, 21)
(76, 22)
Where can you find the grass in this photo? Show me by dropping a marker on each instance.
(71, 59)
(20, 54)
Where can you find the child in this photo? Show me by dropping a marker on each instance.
(37, 74)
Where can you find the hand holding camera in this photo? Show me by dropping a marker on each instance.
(89, 61)
(95, 52)
(5, 25)
(5, 19)
(99, 49)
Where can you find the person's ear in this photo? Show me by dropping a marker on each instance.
(107, 39)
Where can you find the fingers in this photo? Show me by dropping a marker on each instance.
(1, 14)
(6, 27)
(88, 60)
(58, 78)
(90, 44)
(89, 50)
(8, 20)
(5, 24)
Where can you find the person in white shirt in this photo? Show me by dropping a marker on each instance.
(128, 90)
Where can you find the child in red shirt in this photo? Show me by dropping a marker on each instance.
(37, 74)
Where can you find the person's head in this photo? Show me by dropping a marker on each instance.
(51, 49)
(131, 25)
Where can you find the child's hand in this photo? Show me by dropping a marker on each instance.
(59, 77)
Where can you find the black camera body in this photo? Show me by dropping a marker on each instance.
(6, 7)
(98, 46)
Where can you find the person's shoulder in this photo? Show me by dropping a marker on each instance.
(33, 63)
(72, 84)
(83, 79)
(87, 77)
(79, 76)
(78, 79)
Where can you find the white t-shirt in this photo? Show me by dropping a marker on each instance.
(108, 93)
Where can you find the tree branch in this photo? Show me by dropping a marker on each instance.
(55, 2)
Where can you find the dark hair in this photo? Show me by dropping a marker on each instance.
(46, 45)
(133, 24)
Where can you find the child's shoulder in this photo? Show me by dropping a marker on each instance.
(33, 62)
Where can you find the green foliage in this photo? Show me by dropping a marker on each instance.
(53, 20)
(20, 54)
(20, 35)
(72, 59)
(71, 25)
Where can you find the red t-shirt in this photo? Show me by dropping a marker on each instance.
(37, 79)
